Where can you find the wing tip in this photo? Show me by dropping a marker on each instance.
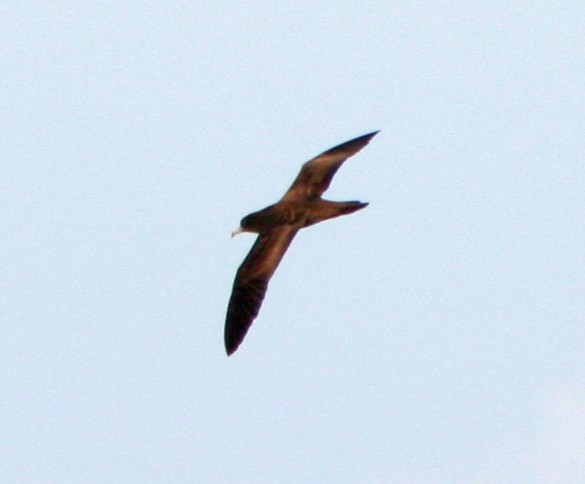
(231, 347)
(232, 343)
(368, 136)
(353, 145)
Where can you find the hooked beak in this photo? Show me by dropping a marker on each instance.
(239, 230)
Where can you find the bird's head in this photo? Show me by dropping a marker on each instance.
(250, 223)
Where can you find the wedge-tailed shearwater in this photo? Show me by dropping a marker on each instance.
(276, 226)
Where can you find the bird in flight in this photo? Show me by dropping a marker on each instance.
(276, 226)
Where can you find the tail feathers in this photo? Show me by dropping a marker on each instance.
(327, 209)
(350, 207)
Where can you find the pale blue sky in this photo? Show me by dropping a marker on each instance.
(437, 336)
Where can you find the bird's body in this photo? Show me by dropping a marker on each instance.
(298, 213)
(277, 224)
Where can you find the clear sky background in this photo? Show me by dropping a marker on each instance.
(436, 336)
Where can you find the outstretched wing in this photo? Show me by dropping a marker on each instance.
(316, 174)
(251, 283)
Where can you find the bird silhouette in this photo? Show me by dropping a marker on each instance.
(276, 225)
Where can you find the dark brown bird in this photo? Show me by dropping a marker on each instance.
(277, 225)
